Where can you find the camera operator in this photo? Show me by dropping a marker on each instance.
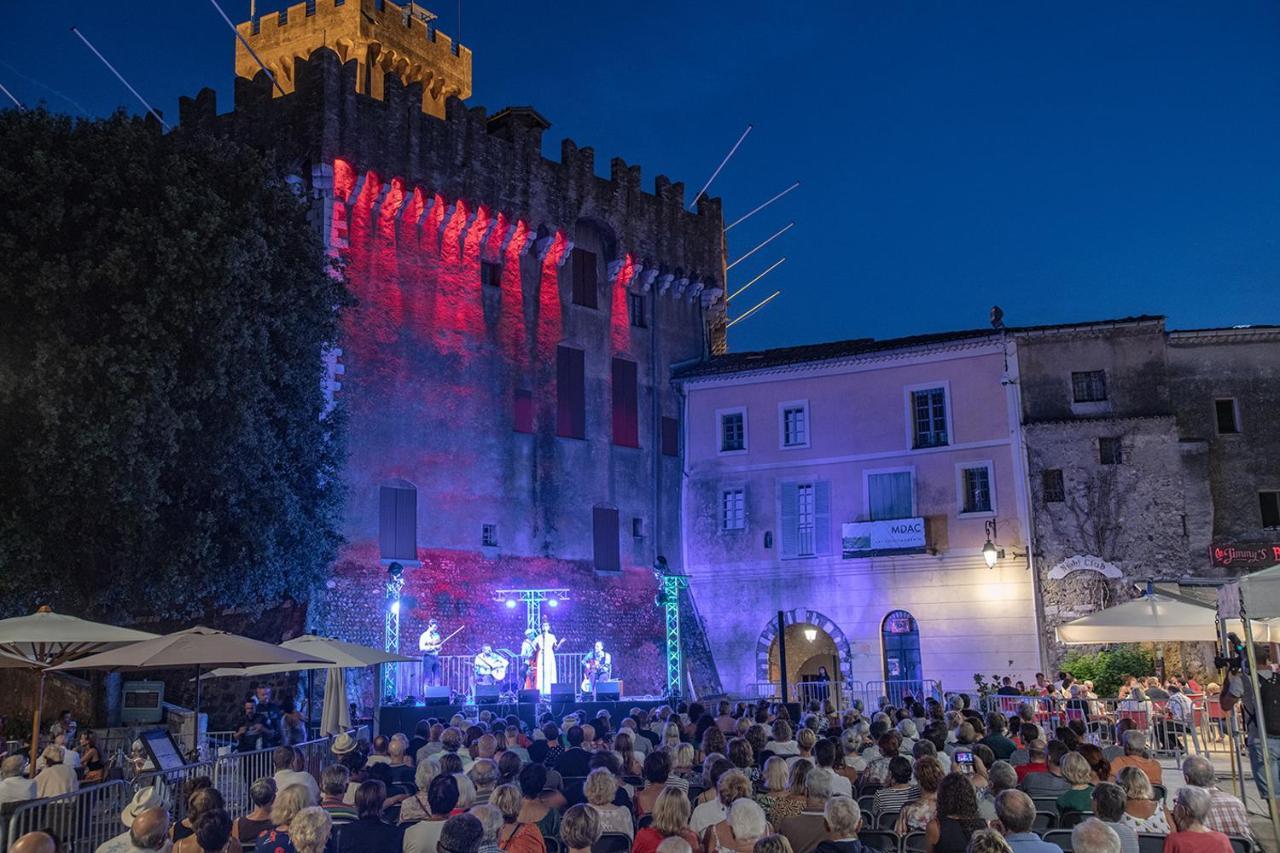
(1239, 688)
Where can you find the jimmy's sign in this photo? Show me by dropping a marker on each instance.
(869, 538)
(1248, 555)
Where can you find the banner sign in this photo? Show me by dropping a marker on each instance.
(1247, 555)
(868, 538)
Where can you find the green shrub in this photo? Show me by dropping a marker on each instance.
(1107, 668)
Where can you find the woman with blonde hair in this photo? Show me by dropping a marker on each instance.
(988, 841)
(599, 789)
(806, 740)
(581, 828)
(773, 844)
(288, 802)
(915, 815)
(682, 763)
(1079, 797)
(774, 778)
(743, 826)
(734, 786)
(670, 820)
(514, 836)
(310, 830)
(791, 801)
(1141, 811)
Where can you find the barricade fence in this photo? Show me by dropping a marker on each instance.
(82, 820)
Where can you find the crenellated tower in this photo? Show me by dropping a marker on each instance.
(383, 38)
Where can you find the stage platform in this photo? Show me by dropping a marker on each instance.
(403, 718)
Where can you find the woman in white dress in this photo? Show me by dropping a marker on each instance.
(545, 645)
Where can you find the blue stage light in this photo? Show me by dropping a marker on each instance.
(511, 604)
(553, 603)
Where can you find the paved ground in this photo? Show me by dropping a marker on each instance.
(1258, 815)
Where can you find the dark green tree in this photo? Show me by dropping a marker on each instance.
(165, 306)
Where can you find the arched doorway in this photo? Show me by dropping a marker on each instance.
(813, 641)
(903, 672)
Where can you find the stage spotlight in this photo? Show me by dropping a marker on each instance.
(395, 606)
(511, 604)
(553, 603)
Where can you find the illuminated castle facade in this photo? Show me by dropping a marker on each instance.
(506, 372)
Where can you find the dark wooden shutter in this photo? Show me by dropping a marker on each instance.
(626, 419)
(387, 522)
(670, 436)
(571, 403)
(523, 420)
(604, 539)
(398, 522)
(584, 278)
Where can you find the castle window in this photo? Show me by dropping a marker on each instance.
(1269, 503)
(1054, 488)
(584, 278)
(398, 521)
(1110, 451)
(523, 414)
(626, 418)
(490, 274)
(489, 535)
(311, 8)
(1227, 415)
(606, 547)
(1089, 386)
(637, 527)
(635, 306)
(283, 17)
(670, 436)
(571, 403)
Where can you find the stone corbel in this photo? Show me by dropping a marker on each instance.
(680, 284)
(695, 287)
(357, 187)
(614, 269)
(647, 279)
(564, 256)
(407, 203)
(450, 214)
(664, 282)
(486, 237)
(711, 296)
(544, 245)
(375, 210)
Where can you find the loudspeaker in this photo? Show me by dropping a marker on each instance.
(435, 696)
(487, 694)
(563, 692)
(530, 696)
(608, 691)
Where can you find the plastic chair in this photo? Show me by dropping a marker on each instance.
(1046, 804)
(1044, 821)
(1060, 837)
(1150, 842)
(913, 842)
(879, 839)
(612, 842)
(1241, 845)
(867, 803)
(1068, 820)
(887, 820)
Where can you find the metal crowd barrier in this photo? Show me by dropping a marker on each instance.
(82, 820)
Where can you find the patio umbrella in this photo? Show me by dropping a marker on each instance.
(45, 639)
(335, 716)
(197, 647)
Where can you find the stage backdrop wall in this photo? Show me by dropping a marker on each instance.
(457, 587)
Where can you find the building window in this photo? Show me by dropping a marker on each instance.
(929, 417)
(523, 414)
(490, 274)
(733, 430)
(398, 521)
(637, 528)
(1089, 386)
(1109, 451)
(635, 307)
(794, 424)
(1269, 503)
(571, 401)
(670, 436)
(890, 494)
(604, 539)
(1051, 483)
(489, 535)
(805, 518)
(1227, 416)
(583, 264)
(626, 418)
(733, 509)
(975, 489)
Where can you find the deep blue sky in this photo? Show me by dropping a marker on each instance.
(1067, 161)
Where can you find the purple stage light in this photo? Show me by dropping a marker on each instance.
(511, 604)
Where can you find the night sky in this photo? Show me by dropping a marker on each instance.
(1068, 161)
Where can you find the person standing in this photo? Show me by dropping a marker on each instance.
(529, 660)
(429, 644)
(546, 645)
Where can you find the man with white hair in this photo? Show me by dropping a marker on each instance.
(144, 801)
(747, 820)
(808, 829)
(1226, 813)
(1094, 836)
(1137, 755)
(843, 819)
(1015, 813)
(14, 788)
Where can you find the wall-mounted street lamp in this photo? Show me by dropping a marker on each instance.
(990, 552)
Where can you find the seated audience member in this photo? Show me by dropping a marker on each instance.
(782, 743)
(1079, 797)
(988, 841)
(378, 754)
(916, 814)
(312, 829)
(1136, 754)
(333, 789)
(146, 802)
(772, 844)
(657, 771)
(600, 789)
(442, 799)
(57, 778)
(1094, 836)
(1227, 814)
(417, 807)
(201, 803)
(825, 755)
(1111, 753)
(713, 809)
(773, 783)
(1035, 761)
(247, 827)
(462, 833)
(1108, 807)
(671, 814)
(515, 836)
(533, 782)
(1141, 811)
(574, 760)
(369, 833)
(287, 762)
(842, 819)
(1015, 813)
(791, 801)
(288, 802)
(1000, 745)
(739, 832)
(877, 771)
(490, 817)
(808, 829)
(1190, 835)
(898, 790)
(581, 828)
(484, 776)
(13, 787)
(212, 835)
(1050, 782)
(1000, 777)
(957, 816)
(1099, 767)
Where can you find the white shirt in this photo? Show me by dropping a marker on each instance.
(15, 789)
(708, 814)
(786, 747)
(122, 843)
(285, 778)
(422, 836)
(55, 781)
(841, 786)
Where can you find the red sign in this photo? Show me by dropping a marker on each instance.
(1251, 555)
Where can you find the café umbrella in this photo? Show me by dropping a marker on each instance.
(197, 647)
(45, 639)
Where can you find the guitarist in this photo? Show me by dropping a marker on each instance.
(429, 644)
(490, 667)
(597, 665)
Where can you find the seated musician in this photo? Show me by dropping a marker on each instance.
(597, 665)
(490, 667)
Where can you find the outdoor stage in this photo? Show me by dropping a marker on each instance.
(403, 718)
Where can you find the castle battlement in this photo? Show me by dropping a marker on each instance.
(466, 154)
(381, 37)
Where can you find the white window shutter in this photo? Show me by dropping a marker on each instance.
(788, 520)
(822, 517)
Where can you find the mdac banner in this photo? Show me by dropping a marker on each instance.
(871, 538)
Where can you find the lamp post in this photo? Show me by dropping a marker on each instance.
(991, 553)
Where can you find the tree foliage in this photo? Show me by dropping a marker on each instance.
(164, 310)
(1108, 668)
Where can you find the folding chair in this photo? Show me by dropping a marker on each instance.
(1060, 837)
(1068, 820)
(914, 842)
(879, 839)
(1044, 821)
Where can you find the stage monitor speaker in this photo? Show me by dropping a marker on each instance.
(435, 696)
(530, 696)
(563, 692)
(487, 694)
(608, 691)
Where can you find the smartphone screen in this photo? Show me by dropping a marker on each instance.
(963, 760)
